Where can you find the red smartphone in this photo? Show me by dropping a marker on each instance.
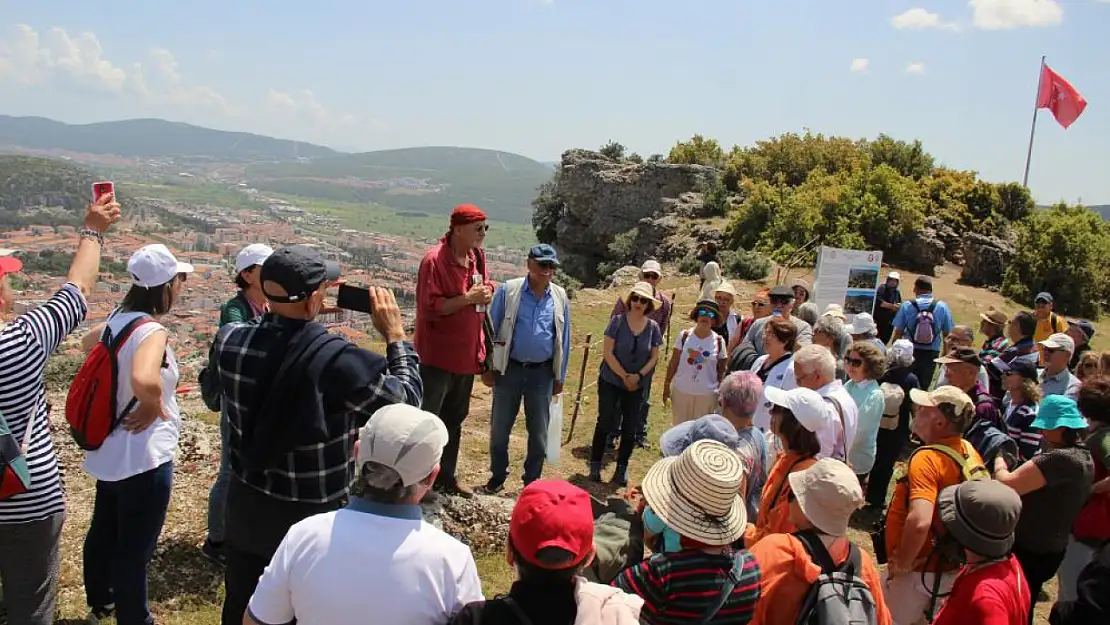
(356, 298)
(102, 188)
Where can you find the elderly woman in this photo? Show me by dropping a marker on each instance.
(961, 336)
(863, 328)
(739, 396)
(808, 313)
(631, 352)
(761, 307)
(865, 364)
(697, 366)
(725, 296)
(1054, 486)
(775, 368)
(830, 334)
(894, 427)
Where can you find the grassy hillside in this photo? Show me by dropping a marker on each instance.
(41, 190)
(426, 179)
(151, 138)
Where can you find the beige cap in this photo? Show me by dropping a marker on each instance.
(828, 493)
(726, 287)
(405, 438)
(1060, 341)
(943, 395)
(651, 266)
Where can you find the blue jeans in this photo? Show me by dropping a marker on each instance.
(534, 385)
(127, 519)
(217, 497)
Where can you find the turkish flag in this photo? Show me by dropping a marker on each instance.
(1058, 96)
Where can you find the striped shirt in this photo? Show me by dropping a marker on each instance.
(679, 588)
(1019, 425)
(25, 345)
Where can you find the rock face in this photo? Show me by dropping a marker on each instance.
(921, 252)
(953, 244)
(601, 198)
(985, 260)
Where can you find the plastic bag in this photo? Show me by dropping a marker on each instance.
(555, 428)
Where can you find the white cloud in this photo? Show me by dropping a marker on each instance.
(1005, 14)
(915, 68)
(860, 65)
(28, 59)
(917, 19)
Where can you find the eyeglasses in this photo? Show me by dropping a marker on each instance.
(853, 362)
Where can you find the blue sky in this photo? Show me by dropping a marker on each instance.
(541, 76)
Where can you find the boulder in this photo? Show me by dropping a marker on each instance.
(985, 260)
(625, 276)
(921, 252)
(953, 244)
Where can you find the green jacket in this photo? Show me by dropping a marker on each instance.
(236, 309)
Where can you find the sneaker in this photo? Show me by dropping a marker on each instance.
(493, 487)
(100, 613)
(214, 553)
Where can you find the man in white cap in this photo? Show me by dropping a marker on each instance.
(377, 558)
(888, 299)
(651, 272)
(247, 304)
(1056, 379)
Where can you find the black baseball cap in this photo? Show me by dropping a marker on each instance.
(1086, 326)
(298, 269)
(961, 355)
(1024, 367)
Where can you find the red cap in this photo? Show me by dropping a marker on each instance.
(552, 513)
(466, 214)
(9, 264)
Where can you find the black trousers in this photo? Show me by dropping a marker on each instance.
(447, 395)
(618, 409)
(1038, 569)
(889, 445)
(924, 365)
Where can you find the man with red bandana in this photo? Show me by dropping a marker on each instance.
(452, 291)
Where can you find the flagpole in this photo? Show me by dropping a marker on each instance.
(1033, 127)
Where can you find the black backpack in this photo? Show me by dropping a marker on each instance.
(839, 596)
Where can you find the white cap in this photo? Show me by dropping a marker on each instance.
(894, 275)
(154, 265)
(251, 255)
(407, 439)
(1060, 341)
(651, 266)
(863, 323)
(809, 408)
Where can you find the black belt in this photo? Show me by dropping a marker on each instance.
(532, 365)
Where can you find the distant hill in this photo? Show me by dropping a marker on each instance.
(148, 138)
(42, 190)
(1102, 209)
(425, 179)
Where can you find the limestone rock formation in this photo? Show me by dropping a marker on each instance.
(920, 252)
(625, 276)
(953, 244)
(593, 199)
(985, 260)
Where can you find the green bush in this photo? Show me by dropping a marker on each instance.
(1064, 250)
(569, 283)
(689, 265)
(744, 264)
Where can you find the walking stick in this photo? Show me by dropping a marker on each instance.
(581, 379)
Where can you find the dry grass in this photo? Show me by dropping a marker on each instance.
(186, 589)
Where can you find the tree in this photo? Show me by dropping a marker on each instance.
(698, 151)
(1014, 201)
(613, 150)
(635, 158)
(656, 158)
(547, 210)
(908, 159)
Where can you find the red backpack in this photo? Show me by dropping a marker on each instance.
(91, 406)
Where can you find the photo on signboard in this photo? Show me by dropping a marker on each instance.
(859, 301)
(863, 277)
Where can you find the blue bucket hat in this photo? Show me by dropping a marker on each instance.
(712, 426)
(1059, 411)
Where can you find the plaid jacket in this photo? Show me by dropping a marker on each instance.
(355, 384)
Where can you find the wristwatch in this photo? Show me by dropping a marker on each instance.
(93, 235)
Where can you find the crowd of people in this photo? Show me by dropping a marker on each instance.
(787, 426)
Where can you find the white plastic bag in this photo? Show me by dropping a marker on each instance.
(555, 428)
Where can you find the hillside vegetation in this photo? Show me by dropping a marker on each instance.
(42, 191)
(147, 138)
(425, 179)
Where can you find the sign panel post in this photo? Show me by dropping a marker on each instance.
(849, 278)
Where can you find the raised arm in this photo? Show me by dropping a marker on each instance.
(86, 262)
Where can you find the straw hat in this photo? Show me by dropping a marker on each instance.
(834, 310)
(644, 290)
(697, 493)
(828, 493)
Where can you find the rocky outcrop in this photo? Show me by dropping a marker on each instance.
(625, 276)
(920, 252)
(985, 260)
(953, 244)
(597, 198)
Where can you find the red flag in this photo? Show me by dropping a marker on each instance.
(1058, 96)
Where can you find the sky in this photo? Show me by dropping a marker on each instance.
(538, 77)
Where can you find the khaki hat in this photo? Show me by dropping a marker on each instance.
(828, 493)
(652, 266)
(997, 317)
(981, 515)
(943, 395)
(696, 493)
(644, 290)
(834, 310)
(726, 287)
(1060, 341)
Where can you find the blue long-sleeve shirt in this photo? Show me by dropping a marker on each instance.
(534, 331)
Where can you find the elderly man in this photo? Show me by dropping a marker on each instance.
(452, 290)
(888, 299)
(961, 337)
(1081, 331)
(815, 369)
(964, 370)
(782, 305)
(1056, 378)
(531, 326)
(376, 556)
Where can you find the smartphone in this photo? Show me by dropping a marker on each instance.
(356, 298)
(102, 188)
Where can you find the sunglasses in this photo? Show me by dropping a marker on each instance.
(649, 276)
(546, 265)
(636, 299)
(707, 313)
(853, 362)
(781, 301)
(759, 304)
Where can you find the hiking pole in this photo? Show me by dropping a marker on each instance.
(581, 379)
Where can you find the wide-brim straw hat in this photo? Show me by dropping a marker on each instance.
(644, 290)
(697, 493)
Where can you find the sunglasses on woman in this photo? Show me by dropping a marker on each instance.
(854, 362)
(707, 313)
(636, 299)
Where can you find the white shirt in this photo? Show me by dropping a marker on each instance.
(366, 563)
(832, 445)
(697, 364)
(780, 376)
(123, 453)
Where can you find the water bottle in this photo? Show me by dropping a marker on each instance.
(475, 280)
